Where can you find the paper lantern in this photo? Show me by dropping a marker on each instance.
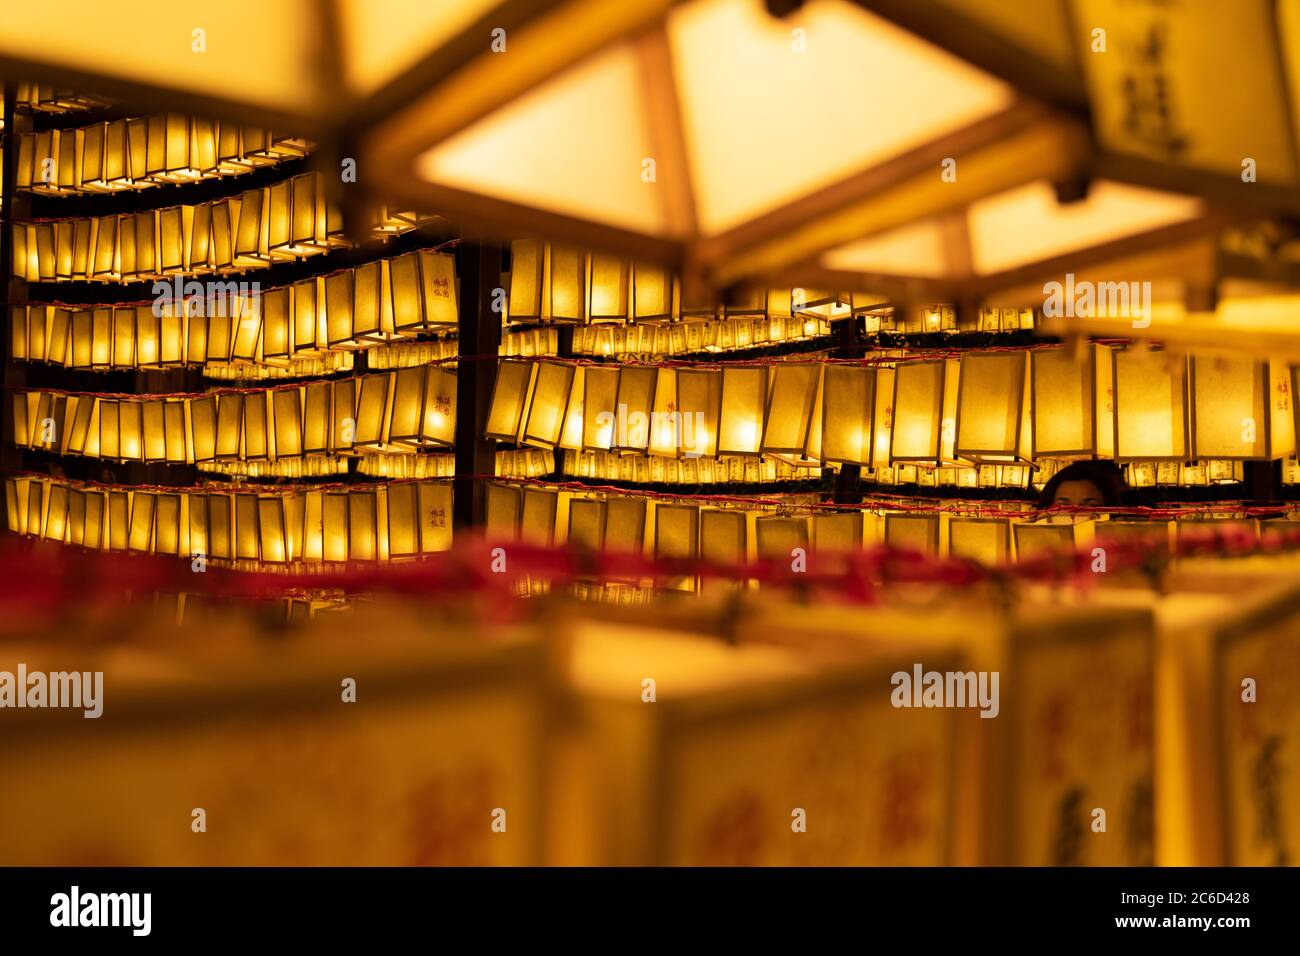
(372, 410)
(790, 408)
(344, 422)
(916, 432)
(837, 532)
(636, 395)
(510, 397)
(566, 283)
(586, 523)
(334, 526)
(724, 539)
(743, 404)
(676, 536)
(504, 507)
(1072, 403)
(652, 293)
(600, 418)
(434, 499)
(537, 517)
(527, 258)
(607, 288)
(439, 424)
(913, 532)
(1037, 537)
(986, 540)
(552, 389)
(438, 279)
(776, 537)
(1231, 412)
(848, 408)
(624, 528)
(230, 422)
(699, 402)
(1150, 405)
(992, 411)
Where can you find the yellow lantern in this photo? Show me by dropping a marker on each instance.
(343, 415)
(677, 529)
(527, 258)
(139, 534)
(837, 532)
(510, 397)
(790, 408)
(1072, 403)
(699, 402)
(743, 403)
(986, 540)
(438, 280)
(551, 392)
(916, 431)
(1231, 413)
(364, 542)
(777, 537)
(174, 441)
(504, 505)
(848, 409)
(624, 524)
(607, 288)
(334, 526)
(256, 434)
(724, 539)
(1150, 405)
(636, 395)
(652, 293)
(203, 428)
(567, 282)
(586, 523)
(439, 424)
(230, 425)
(992, 411)
(317, 418)
(540, 507)
(434, 499)
(913, 532)
(372, 410)
(599, 408)
(405, 292)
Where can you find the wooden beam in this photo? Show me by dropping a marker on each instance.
(1017, 146)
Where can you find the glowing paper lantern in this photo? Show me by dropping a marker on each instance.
(790, 408)
(777, 537)
(992, 411)
(624, 524)
(586, 523)
(676, 535)
(600, 416)
(1150, 405)
(1231, 414)
(510, 399)
(837, 532)
(724, 539)
(743, 403)
(699, 401)
(848, 407)
(913, 532)
(916, 433)
(636, 393)
(552, 388)
(439, 425)
(504, 507)
(1072, 403)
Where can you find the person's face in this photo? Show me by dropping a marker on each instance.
(1079, 493)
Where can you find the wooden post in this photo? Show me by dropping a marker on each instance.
(479, 267)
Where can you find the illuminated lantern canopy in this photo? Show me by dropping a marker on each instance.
(1150, 405)
(1230, 409)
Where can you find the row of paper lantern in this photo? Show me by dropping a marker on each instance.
(984, 407)
(403, 409)
(686, 337)
(146, 151)
(510, 463)
(686, 528)
(383, 522)
(369, 304)
(550, 282)
(294, 322)
(46, 98)
(285, 221)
